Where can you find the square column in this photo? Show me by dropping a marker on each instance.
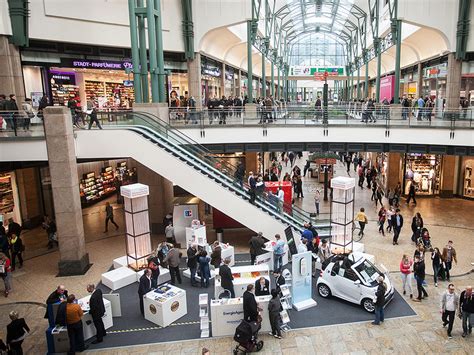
(74, 259)
(453, 82)
(137, 238)
(342, 214)
(11, 75)
(194, 79)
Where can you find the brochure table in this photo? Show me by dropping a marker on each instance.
(243, 276)
(165, 305)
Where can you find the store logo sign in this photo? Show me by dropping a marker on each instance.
(174, 306)
(152, 309)
(97, 64)
(188, 213)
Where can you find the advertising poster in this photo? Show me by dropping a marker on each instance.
(302, 281)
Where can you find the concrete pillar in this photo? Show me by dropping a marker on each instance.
(194, 79)
(158, 110)
(74, 259)
(11, 76)
(251, 162)
(160, 199)
(419, 85)
(394, 170)
(29, 196)
(223, 93)
(453, 82)
(447, 176)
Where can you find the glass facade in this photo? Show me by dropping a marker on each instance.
(317, 49)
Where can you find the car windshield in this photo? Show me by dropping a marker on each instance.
(368, 271)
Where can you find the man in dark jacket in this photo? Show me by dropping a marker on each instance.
(11, 105)
(262, 287)
(192, 263)
(419, 273)
(250, 305)
(13, 228)
(226, 278)
(379, 302)
(144, 287)
(256, 247)
(466, 309)
(97, 311)
(16, 331)
(397, 224)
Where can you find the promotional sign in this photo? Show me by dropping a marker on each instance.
(387, 87)
(290, 240)
(182, 219)
(62, 78)
(311, 71)
(265, 259)
(96, 64)
(302, 281)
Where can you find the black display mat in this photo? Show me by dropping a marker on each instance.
(133, 329)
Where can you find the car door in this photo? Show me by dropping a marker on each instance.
(350, 286)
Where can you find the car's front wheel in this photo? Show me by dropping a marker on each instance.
(368, 305)
(324, 290)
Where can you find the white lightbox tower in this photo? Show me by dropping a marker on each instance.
(138, 240)
(342, 214)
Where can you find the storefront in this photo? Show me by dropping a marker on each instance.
(434, 83)
(231, 81)
(424, 171)
(9, 200)
(408, 82)
(244, 84)
(467, 177)
(211, 78)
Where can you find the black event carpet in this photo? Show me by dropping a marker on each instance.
(133, 329)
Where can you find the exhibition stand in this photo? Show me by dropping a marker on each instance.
(269, 257)
(243, 276)
(302, 281)
(227, 313)
(165, 305)
(87, 322)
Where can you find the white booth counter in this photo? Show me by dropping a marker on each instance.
(227, 253)
(243, 276)
(87, 323)
(226, 315)
(165, 305)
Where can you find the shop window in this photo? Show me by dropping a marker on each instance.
(422, 170)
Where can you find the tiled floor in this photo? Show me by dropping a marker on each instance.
(445, 218)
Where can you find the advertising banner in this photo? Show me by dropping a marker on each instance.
(302, 281)
(387, 87)
(311, 71)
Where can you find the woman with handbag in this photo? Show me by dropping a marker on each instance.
(17, 331)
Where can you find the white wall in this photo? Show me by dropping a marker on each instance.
(33, 81)
(5, 25)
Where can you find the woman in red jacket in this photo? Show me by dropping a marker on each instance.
(405, 270)
(5, 273)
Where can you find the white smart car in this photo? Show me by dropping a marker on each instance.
(353, 278)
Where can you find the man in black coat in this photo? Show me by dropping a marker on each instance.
(262, 287)
(57, 296)
(250, 305)
(192, 263)
(226, 278)
(144, 287)
(397, 224)
(97, 311)
(256, 247)
(380, 301)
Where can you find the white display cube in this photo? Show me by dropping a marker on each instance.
(119, 278)
(166, 307)
(119, 262)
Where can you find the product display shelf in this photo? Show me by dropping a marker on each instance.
(108, 180)
(204, 314)
(94, 89)
(468, 187)
(6, 195)
(62, 93)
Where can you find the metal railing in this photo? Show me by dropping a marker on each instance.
(354, 114)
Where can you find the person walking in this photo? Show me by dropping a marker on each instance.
(361, 217)
(411, 194)
(5, 273)
(144, 286)
(448, 256)
(17, 331)
(50, 226)
(274, 309)
(378, 195)
(173, 258)
(17, 248)
(252, 182)
(92, 112)
(449, 305)
(278, 252)
(466, 310)
(405, 271)
(169, 233)
(97, 311)
(419, 272)
(397, 224)
(437, 261)
(109, 216)
(192, 262)
(226, 278)
(416, 227)
(75, 330)
(380, 301)
(250, 304)
(317, 200)
(205, 269)
(382, 217)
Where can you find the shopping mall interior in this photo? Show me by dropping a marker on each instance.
(234, 176)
